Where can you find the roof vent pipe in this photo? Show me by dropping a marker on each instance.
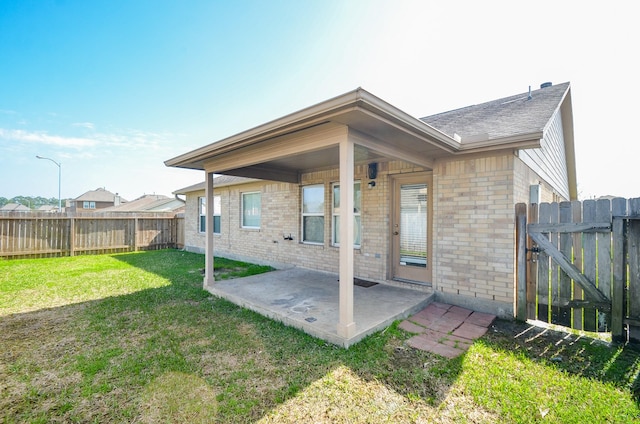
(546, 84)
(529, 98)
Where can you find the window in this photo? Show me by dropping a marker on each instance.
(88, 205)
(335, 211)
(413, 225)
(202, 213)
(313, 214)
(250, 210)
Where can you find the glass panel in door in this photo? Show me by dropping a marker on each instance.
(413, 225)
(410, 229)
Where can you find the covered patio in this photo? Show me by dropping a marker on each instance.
(308, 300)
(340, 133)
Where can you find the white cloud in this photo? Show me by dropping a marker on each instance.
(125, 140)
(78, 155)
(88, 125)
(45, 138)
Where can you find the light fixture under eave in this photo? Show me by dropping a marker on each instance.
(372, 184)
(372, 170)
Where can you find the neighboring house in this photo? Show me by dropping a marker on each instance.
(48, 208)
(14, 207)
(149, 203)
(94, 200)
(354, 185)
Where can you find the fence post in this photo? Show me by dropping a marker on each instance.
(590, 260)
(532, 267)
(521, 266)
(618, 209)
(578, 293)
(564, 281)
(72, 236)
(633, 253)
(135, 234)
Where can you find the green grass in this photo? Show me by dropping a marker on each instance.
(133, 337)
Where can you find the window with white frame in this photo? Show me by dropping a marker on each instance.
(251, 205)
(202, 214)
(88, 205)
(313, 214)
(335, 212)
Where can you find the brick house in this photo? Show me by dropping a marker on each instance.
(357, 187)
(94, 200)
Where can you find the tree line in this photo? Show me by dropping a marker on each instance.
(31, 202)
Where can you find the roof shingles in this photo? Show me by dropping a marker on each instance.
(501, 118)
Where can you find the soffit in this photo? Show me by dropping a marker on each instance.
(279, 149)
(358, 110)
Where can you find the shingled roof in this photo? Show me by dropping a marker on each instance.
(219, 181)
(501, 118)
(14, 207)
(98, 195)
(149, 203)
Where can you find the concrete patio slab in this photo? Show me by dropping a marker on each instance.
(308, 300)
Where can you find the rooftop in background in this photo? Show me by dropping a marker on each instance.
(99, 195)
(94, 200)
(47, 208)
(219, 181)
(14, 207)
(149, 203)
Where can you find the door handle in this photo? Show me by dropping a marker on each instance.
(395, 233)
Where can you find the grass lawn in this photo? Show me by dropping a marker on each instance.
(134, 338)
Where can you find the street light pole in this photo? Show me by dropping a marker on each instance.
(59, 165)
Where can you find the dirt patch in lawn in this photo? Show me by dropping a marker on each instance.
(177, 397)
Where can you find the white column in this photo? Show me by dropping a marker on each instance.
(346, 325)
(208, 262)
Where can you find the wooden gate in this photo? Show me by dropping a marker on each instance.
(578, 265)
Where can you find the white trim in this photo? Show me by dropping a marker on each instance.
(303, 215)
(337, 215)
(249, 227)
(327, 111)
(202, 202)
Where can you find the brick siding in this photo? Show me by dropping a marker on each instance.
(473, 226)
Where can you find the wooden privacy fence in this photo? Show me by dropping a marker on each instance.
(35, 235)
(578, 265)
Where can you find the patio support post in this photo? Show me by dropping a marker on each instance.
(346, 325)
(208, 263)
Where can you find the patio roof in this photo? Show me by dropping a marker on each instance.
(283, 149)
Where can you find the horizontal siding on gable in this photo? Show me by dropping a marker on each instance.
(550, 160)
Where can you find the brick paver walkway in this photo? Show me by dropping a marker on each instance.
(446, 329)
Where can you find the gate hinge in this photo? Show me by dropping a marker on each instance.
(533, 249)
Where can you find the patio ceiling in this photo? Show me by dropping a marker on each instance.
(290, 167)
(307, 140)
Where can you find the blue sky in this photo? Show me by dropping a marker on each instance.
(111, 89)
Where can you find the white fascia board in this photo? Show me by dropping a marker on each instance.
(273, 128)
(316, 114)
(408, 122)
(521, 141)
